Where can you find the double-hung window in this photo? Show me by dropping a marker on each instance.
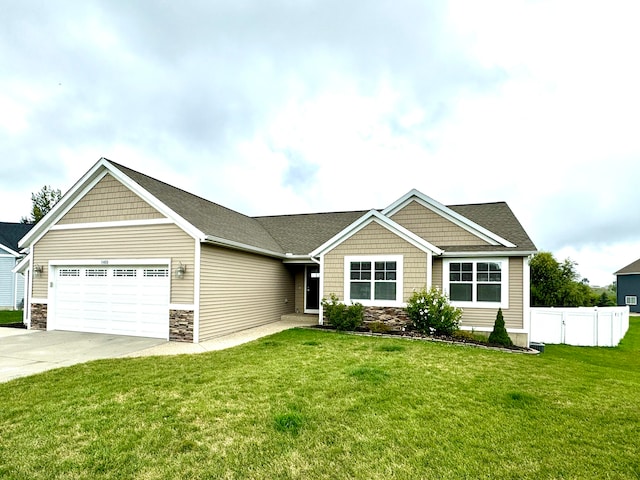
(373, 280)
(477, 283)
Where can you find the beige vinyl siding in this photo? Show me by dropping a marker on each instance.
(109, 201)
(139, 242)
(374, 239)
(241, 290)
(300, 273)
(434, 228)
(513, 316)
(436, 272)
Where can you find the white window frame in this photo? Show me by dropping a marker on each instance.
(374, 258)
(474, 303)
(630, 300)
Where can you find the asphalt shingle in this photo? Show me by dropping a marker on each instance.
(11, 233)
(301, 234)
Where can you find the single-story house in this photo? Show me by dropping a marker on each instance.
(11, 283)
(124, 253)
(628, 286)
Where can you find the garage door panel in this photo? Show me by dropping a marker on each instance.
(116, 299)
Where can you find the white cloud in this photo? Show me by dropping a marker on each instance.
(273, 107)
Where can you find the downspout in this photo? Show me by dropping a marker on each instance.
(320, 264)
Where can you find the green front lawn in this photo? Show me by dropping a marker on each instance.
(10, 316)
(317, 405)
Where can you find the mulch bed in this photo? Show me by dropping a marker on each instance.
(13, 325)
(411, 335)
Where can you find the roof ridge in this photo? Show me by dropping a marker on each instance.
(312, 213)
(478, 203)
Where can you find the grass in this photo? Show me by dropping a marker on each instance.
(315, 404)
(10, 316)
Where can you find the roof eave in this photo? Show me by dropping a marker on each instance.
(22, 265)
(291, 258)
(9, 250)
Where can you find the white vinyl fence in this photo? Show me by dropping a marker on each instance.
(582, 326)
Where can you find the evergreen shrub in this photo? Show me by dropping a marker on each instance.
(499, 335)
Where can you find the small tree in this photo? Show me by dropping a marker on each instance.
(43, 201)
(499, 335)
(431, 313)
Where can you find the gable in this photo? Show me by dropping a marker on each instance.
(109, 201)
(434, 228)
(374, 239)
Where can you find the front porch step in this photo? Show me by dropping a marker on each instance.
(300, 318)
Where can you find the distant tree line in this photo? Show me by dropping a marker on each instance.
(555, 284)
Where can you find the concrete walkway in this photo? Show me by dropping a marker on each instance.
(26, 352)
(227, 341)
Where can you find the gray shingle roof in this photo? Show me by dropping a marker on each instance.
(301, 234)
(210, 218)
(498, 218)
(633, 267)
(11, 233)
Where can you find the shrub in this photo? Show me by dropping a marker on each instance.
(499, 335)
(379, 327)
(341, 316)
(466, 335)
(431, 313)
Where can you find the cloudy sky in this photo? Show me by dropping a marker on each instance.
(287, 106)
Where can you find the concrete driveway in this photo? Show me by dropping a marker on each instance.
(25, 352)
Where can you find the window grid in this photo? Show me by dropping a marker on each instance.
(631, 300)
(124, 272)
(69, 272)
(95, 272)
(156, 272)
(476, 281)
(373, 280)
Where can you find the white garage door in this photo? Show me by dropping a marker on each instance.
(120, 300)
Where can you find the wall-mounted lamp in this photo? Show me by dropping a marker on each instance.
(181, 270)
(37, 270)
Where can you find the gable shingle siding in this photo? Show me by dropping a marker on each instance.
(434, 228)
(109, 201)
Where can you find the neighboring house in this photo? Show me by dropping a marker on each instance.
(628, 286)
(11, 284)
(127, 254)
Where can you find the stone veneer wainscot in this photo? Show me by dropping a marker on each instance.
(39, 316)
(181, 325)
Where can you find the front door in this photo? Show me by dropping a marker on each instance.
(312, 289)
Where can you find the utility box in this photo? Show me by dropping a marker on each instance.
(537, 346)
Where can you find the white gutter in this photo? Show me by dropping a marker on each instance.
(489, 254)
